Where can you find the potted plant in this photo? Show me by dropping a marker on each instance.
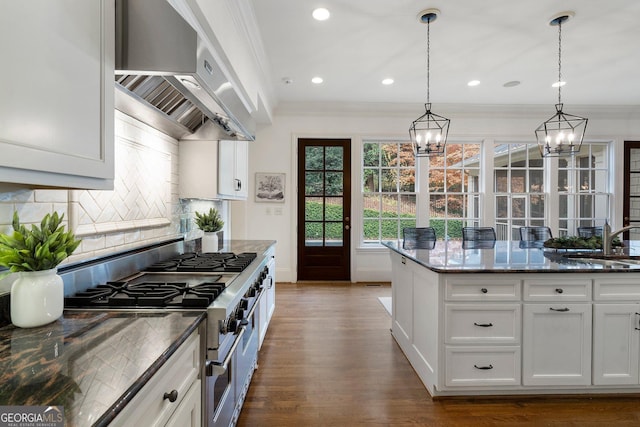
(211, 224)
(37, 295)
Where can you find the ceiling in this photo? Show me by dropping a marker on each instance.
(494, 41)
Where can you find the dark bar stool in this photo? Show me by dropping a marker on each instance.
(534, 237)
(478, 237)
(418, 238)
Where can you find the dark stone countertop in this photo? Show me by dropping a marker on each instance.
(90, 362)
(509, 257)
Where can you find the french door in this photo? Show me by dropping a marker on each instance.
(324, 209)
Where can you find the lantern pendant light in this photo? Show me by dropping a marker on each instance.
(562, 134)
(429, 132)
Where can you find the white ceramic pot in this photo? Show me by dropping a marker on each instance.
(37, 298)
(210, 242)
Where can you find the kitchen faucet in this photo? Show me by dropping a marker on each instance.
(608, 236)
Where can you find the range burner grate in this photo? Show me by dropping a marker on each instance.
(206, 262)
(148, 294)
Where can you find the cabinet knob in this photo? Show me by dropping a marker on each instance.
(484, 290)
(172, 396)
(559, 290)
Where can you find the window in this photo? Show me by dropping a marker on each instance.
(454, 190)
(583, 189)
(388, 190)
(518, 186)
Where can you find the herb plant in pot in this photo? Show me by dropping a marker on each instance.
(211, 223)
(37, 295)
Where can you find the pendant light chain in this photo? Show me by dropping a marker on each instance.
(428, 59)
(559, 61)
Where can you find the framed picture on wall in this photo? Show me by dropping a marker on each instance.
(270, 187)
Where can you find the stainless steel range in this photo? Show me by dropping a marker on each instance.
(226, 285)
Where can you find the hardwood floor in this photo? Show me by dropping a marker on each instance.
(329, 360)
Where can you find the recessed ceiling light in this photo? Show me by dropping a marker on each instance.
(512, 83)
(473, 83)
(317, 80)
(387, 81)
(558, 84)
(321, 14)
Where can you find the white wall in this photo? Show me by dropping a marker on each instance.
(275, 151)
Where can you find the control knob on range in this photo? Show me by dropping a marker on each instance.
(244, 303)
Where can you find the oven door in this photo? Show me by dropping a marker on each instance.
(247, 355)
(220, 398)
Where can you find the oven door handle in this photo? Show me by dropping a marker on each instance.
(215, 368)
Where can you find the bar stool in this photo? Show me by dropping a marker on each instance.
(478, 237)
(418, 238)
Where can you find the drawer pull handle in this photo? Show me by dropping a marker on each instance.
(484, 368)
(559, 309)
(559, 290)
(173, 396)
(483, 325)
(403, 260)
(484, 290)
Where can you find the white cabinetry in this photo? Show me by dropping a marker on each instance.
(233, 173)
(213, 169)
(198, 169)
(557, 344)
(616, 334)
(173, 396)
(57, 90)
(268, 300)
(482, 323)
(518, 333)
(556, 331)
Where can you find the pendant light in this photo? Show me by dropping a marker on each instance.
(429, 132)
(562, 134)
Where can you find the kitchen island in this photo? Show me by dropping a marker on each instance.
(516, 320)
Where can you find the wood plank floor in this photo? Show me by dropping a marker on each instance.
(329, 360)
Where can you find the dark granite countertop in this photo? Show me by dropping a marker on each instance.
(509, 257)
(90, 362)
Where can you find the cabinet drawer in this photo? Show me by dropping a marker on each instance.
(482, 366)
(493, 323)
(557, 290)
(620, 289)
(471, 288)
(149, 407)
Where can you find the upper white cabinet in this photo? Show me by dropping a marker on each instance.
(233, 170)
(213, 169)
(56, 93)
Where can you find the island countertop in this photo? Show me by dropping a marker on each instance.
(91, 362)
(508, 257)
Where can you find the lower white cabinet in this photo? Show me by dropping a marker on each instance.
(556, 348)
(173, 395)
(482, 366)
(616, 339)
(268, 300)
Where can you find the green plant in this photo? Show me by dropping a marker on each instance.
(40, 248)
(210, 221)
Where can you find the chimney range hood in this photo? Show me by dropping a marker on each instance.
(166, 77)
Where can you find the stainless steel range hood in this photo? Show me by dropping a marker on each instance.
(167, 78)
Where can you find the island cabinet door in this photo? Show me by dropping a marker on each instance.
(616, 343)
(402, 293)
(556, 348)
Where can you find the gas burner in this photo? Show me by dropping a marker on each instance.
(205, 262)
(148, 294)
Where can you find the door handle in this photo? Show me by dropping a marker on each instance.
(346, 227)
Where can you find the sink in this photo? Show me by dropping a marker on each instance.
(611, 261)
